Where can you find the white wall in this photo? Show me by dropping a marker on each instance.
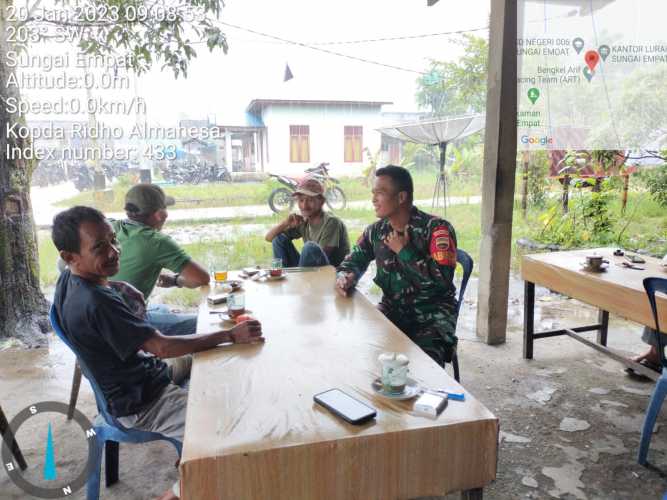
(326, 124)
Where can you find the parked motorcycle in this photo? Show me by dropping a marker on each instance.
(195, 172)
(281, 199)
(82, 176)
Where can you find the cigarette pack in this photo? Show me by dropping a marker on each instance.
(217, 298)
(430, 405)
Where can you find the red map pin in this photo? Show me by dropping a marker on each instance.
(592, 57)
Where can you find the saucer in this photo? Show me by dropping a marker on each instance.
(411, 390)
(225, 318)
(233, 284)
(268, 277)
(601, 269)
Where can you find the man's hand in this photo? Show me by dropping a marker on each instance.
(396, 240)
(247, 332)
(294, 220)
(344, 282)
(166, 280)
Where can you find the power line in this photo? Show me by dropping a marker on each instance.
(404, 37)
(320, 49)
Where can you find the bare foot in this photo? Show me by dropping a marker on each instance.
(650, 356)
(168, 495)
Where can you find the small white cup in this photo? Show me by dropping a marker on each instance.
(394, 372)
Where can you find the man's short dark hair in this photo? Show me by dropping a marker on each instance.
(400, 177)
(65, 231)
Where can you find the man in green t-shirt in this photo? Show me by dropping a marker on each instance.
(324, 235)
(146, 251)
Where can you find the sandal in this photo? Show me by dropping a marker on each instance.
(646, 363)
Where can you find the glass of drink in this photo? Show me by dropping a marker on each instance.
(221, 271)
(236, 304)
(276, 268)
(394, 372)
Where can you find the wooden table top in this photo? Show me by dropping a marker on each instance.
(257, 398)
(618, 289)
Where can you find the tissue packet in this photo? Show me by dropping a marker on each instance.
(430, 405)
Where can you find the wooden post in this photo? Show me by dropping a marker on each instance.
(566, 193)
(626, 185)
(498, 174)
(524, 187)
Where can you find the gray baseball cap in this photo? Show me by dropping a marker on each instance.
(146, 199)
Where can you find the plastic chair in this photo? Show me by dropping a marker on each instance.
(653, 285)
(7, 436)
(467, 263)
(109, 432)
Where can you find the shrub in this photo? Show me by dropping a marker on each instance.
(656, 182)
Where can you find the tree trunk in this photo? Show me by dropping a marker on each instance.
(23, 309)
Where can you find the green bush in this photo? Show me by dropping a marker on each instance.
(538, 179)
(656, 182)
(589, 220)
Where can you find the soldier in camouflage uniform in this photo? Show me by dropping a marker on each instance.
(415, 255)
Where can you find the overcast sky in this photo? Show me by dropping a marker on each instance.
(254, 66)
(221, 86)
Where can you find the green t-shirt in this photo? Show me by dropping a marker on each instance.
(144, 253)
(330, 232)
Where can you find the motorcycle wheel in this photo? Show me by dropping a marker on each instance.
(281, 200)
(335, 198)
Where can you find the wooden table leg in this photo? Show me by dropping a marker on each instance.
(528, 318)
(474, 494)
(8, 437)
(74, 393)
(603, 320)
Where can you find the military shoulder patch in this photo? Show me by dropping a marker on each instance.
(442, 247)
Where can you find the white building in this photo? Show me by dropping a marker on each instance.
(288, 136)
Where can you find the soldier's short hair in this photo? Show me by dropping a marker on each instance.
(400, 177)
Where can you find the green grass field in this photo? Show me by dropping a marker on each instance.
(643, 226)
(255, 193)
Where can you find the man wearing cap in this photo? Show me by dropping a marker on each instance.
(146, 251)
(324, 235)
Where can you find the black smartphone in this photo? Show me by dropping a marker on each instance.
(345, 406)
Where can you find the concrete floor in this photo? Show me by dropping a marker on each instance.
(532, 399)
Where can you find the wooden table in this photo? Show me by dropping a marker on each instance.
(618, 290)
(254, 432)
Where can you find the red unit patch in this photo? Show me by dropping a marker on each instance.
(442, 247)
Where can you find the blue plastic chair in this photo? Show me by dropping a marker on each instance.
(466, 263)
(653, 285)
(109, 432)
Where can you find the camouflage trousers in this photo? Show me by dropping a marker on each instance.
(435, 333)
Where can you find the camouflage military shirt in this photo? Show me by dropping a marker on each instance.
(419, 295)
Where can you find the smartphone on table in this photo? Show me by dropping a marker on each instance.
(345, 406)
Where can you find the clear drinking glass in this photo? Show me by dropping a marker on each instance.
(236, 304)
(222, 270)
(276, 268)
(394, 372)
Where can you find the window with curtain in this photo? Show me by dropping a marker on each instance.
(353, 144)
(299, 143)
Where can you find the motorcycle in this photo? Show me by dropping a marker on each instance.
(281, 199)
(82, 176)
(188, 172)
